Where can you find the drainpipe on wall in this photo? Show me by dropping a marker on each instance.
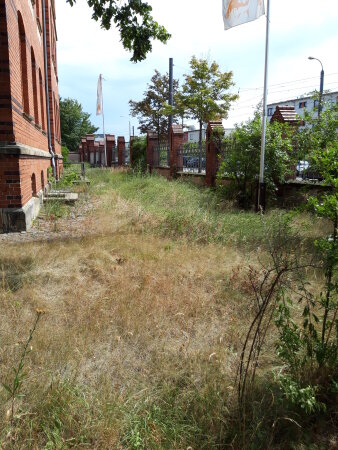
(50, 148)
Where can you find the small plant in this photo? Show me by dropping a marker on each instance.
(55, 209)
(14, 389)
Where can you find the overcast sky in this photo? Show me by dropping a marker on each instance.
(298, 29)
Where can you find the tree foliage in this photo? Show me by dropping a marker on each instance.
(150, 111)
(240, 157)
(75, 123)
(318, 134)
(205, 92)
(134, 21)
(139, 157)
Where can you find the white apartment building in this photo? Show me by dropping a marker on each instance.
(303, 103)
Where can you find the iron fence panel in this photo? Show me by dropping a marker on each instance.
(161, 155)
(191, 157)
(126, 154)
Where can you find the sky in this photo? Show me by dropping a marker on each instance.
(298, 29)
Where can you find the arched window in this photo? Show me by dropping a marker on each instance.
(23, 63)
(42, 102)
(33, 181)
(37, 4)
(35, 90)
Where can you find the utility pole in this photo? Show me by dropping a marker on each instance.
(171, 93)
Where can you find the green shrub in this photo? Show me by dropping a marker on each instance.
(139, 157)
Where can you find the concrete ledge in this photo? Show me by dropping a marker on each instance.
(18, 149)
(21, 219)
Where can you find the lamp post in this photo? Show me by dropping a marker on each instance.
(129, 126)
(321, 85)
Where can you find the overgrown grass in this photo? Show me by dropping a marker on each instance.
(184, 210)
(144, 321)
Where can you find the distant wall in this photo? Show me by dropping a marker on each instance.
(74, 156)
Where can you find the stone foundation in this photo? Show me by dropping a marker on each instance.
(23, 181)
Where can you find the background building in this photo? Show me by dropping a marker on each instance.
(301, 104)
(29, 109)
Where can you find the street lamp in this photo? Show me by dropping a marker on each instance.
(129, 126)
(321, 85)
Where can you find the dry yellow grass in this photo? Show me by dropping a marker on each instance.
(127, 313)
(124, 310)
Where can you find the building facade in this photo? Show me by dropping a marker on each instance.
(301, 104)
(29, 109)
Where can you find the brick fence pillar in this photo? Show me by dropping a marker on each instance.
(176, 140)
(212, 152)
(121, 147)
(110, 149)
(287, 114)
(151, 143)
(90, 148)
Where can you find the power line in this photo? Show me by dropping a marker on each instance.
(287, 82)
(259, 96)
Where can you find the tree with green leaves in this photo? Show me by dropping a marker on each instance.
(150, 111)
(317, 133)
(75, 123)
(205, 92)
(240, 157)
(134, 21)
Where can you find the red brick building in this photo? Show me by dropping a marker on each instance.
(29, 109)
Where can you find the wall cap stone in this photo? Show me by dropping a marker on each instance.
(18, 149)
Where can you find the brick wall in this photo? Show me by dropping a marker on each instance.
(121, 146)
(176, 140)
(20, 179)
(24, 153)
(110, 148)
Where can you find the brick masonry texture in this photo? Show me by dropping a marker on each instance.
(23, 115)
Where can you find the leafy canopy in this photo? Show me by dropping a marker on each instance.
(240, 156)
(75, 123)
(205, 91)
(150, 111)
(318, 133)
(133, 20)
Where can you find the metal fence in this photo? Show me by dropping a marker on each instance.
(221, 148)
(161, 155)
(191, 157)
(114, 156)
(126, 154)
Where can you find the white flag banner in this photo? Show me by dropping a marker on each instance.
(236, 12)
(99, 96)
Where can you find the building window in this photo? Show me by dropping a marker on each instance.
(35, 90)
(270, 111)
(302, 104)
(23, 64)
(42, 103)
(33, 183)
